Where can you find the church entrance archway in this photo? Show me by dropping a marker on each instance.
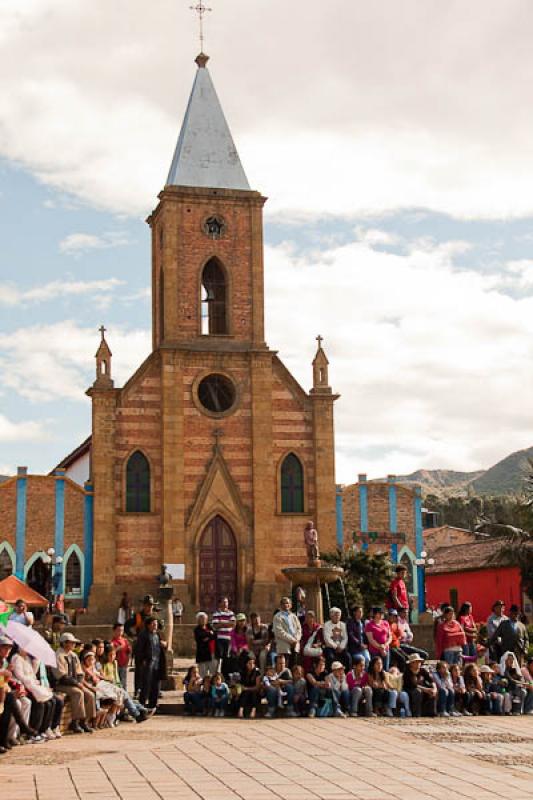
(218, 564)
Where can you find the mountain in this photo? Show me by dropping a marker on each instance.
(505, 477)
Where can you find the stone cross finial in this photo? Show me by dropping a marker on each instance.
(320, 339)
(201, 9)
(102, 331)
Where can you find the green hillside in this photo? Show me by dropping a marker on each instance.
(505, 477)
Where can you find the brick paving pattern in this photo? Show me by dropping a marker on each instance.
(172, 758)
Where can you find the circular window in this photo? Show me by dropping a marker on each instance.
(216, 393)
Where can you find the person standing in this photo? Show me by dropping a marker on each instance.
(397, 595)
(336, 640)
(257, 633)
(123, 652)
(512, 635)
(150, 656)
(468, 623)
(287, 631)
(124, 609)
(223, 621)
(449, 638)
(493, 623)
(355, 627)
(177, 610)
(378, 635)
(204, 638)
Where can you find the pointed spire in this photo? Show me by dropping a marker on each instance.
(320, 369)
(205, 154)
(103, 363)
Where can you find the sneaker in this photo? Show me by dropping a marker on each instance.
(291, 713)
(37, 739)
(270, 713)
(467, 713)
(75, 727)
(456, 714)
(388, 712)
(353, 713)
(57, 732)
(49, 734)
(312, 713)
(142, 717)
(85, 728)
(340, 713)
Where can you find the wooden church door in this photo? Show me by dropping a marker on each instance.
(218, 565)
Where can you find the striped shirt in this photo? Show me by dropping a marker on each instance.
(228, 617)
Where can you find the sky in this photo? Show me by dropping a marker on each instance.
(394, 142)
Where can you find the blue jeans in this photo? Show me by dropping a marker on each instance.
(445, 701)
(273, 695)
(452, 656)
(340, 700)
(469, 649)
(385, 658)
(363, 652)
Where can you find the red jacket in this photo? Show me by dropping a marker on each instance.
(449, 634)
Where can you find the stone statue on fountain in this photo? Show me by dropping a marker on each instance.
(311, 545)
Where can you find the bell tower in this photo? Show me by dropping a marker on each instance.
(207, 236)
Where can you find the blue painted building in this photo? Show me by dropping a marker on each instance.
(46, 533)
(384, 516)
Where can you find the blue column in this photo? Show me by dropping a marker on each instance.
(363, 511)
(340, 522)
(419, 540)
(59, 536)
(88, 545)
(393, 519)
(22, 488)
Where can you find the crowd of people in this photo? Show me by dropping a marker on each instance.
(359, 667)
(93, 676)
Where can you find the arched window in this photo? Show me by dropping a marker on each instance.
(214, 301)
(6, 564)
(138, 483)
(73, 575)
(292, 485)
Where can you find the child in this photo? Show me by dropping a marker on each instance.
(446, 693)
(219, 695)
(206, 695)
(510, 670)
(475, 694)
(360, 691)
(459, 690)
(193, 695)
(300, 690)
(396, 683)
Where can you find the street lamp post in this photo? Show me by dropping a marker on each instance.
(54, 574)
(421, 563)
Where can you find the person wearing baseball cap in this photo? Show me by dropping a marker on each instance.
(69, 677)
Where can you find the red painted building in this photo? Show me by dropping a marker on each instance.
(463, 572)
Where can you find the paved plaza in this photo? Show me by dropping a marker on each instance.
(176, 758)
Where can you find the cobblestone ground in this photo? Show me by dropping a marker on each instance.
(175, 758)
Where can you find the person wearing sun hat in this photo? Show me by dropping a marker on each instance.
(420, 686)
(69, 677)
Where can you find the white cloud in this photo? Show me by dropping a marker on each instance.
(393, 108)
(29, 431)
(10, 295)
(44, 363)
(432, 361)
(77, 243)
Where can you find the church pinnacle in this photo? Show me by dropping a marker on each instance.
(205, 155)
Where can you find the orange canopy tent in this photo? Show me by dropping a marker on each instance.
(11, 590)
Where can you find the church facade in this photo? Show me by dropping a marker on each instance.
(211, 457)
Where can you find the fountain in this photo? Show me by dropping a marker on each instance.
(313, 576)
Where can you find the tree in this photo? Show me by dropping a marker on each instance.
(366, 578)
(517, 542)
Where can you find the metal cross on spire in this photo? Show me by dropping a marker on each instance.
(102, 331)
(201, 9)
(320, 339)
